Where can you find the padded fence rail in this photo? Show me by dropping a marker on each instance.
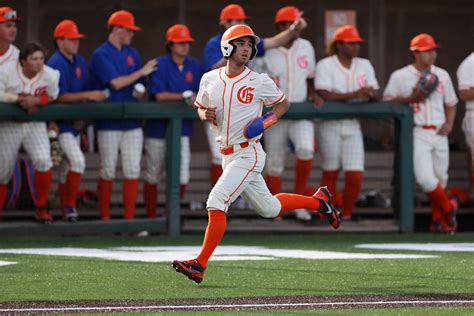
(175, 111)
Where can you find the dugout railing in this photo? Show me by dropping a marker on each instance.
(175, 111)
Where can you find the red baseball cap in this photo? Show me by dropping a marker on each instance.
(67, 29)
(124, 19)
(423, 42)
(8, 15)
(287, 14)
(179, 33)
(233, 12)
(348, 34)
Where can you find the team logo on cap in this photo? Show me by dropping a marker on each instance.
(302, 61)
(245, 95)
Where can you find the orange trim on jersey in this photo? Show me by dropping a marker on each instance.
(245, 177)
(230, 104)
(277, 101)
(223, 95)
(231, 77)
(200, 105)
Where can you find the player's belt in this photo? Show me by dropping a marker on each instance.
(428, 126)
(232, 149)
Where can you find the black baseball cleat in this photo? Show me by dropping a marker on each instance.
(327, 210)
(190, 268)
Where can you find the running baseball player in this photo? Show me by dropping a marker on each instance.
(8, 55)
(430, 93)
(231, 15)
(73, 88)
(30, 84)
(176, 79)
(465, 76)
(292, 67)
(116, 66)
(231, 98)
(343, 76)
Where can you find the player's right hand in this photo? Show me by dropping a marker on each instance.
(29, 103)
(149, 67)
(301, 23)
(415, 96)
(97, 95)
(208, 114)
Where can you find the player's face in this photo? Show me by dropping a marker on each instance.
(243, 50)
(180, 49)
(125, 35)
(34, 63)
(349, 50)
(426, 58)
(283, 26)
(69, 46)
(8, 31)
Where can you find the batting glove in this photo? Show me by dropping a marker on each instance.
(256, 126)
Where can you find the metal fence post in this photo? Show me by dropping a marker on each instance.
(173, 162)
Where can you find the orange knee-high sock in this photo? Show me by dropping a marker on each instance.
(73, 183)
(273, 184)
(104, 192)
(42, 186)
(290, 202)
(440, 198)
(129, 194)
(216, 172)
(182, 190)
(352, 186)
(436, 213)
(3, 195)
(214, 232)
(62, 196)
(150, 197)
(329, 179)
(303, 172)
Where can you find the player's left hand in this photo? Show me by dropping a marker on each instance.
(445, 129)
(318, 102)
(29, 103)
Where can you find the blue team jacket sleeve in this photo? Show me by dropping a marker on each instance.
(158, 80)
(104, 69)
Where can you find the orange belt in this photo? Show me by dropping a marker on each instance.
(232, 149)
(429, 126)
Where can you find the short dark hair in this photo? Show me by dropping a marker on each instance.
(31, 48)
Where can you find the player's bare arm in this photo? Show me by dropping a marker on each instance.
(95, 96)
(366, 94)
(207, 114)
(123, 81)
(466, 94)
(290, 34)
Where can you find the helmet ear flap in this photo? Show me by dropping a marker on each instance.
(254, 52)
(227, 49)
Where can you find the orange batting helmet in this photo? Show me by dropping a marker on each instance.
(235, 32)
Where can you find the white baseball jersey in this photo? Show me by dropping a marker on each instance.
(465, 75)
(290, 68)
(238, 100)
(10, 56)
(431, 110)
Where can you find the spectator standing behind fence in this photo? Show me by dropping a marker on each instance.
(115, 65)
(176, 79)
(465, 76)
(292, 67)
(8, 55)
(430, 93)
(74, 87)
(31, 85)
(343, 76)
(230, 15)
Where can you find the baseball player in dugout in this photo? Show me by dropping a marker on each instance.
(30, 84)
(176, 79)
(465, 76)
(232, 98)
(430, 93)
(230, 15)
(74, 87)
(292, 67)
(116, 66)
(343, 76)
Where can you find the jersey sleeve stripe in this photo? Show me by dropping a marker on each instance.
(277, 101)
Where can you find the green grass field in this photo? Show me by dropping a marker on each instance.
(48, 278)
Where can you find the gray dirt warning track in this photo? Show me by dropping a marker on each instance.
(234, 304)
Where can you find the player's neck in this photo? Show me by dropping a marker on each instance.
(178, 60)
(70, 57)
(289, 44)
(420, 67)
(115, 41)
(233, 69)
(28, 73)
(4, 46)
(345, 61)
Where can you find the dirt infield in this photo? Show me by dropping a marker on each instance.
(235, 304)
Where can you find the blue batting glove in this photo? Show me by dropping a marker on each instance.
(259, 124)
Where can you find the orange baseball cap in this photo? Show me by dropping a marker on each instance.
(287, 14)
(233, 12)
(348, 34)
(179, 33)
(423, 42)
(124, 19)
(67, 29)
(7, 14)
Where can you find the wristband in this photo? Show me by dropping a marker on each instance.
(44, 99)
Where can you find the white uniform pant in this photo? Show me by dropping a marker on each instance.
(213, 146)
(300, 133)
(242, 176)
(468, 128)
(155, 152)
(341, 145)
(75, 160)
(34, 138)
(430, 158)
(130, 145)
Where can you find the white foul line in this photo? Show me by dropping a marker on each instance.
(177, 307)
